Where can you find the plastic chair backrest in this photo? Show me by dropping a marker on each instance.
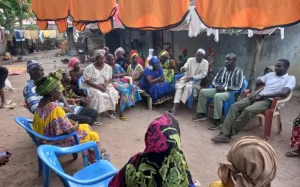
(25, 123)
(48, 154)
(245, 85)
(80, 81)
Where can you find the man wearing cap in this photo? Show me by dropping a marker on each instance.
(194, 69)
(32, 99)
(229, 78)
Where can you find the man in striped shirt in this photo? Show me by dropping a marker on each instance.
(32, 99)
(229, 78)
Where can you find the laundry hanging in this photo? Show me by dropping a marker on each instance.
(51, 10)
(93, 11)
(152, 14)
(254, 14)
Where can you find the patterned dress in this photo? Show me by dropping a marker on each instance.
(129, 92)
(100, 101)
(295, 139)
(162, 163)
(51, 120)
(135, 73)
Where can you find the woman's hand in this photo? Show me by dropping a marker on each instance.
(169, 72)
(68, 110)
(101, 88)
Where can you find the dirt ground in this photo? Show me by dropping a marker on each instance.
(124, 139)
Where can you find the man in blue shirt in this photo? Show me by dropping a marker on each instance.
(75, 113)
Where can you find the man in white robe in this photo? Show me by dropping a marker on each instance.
(195, 68)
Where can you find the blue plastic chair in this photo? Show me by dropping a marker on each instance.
(231, 100)
(25, 123)
(98, 174)
(191, 99)
(80, 81)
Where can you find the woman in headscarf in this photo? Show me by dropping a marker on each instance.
(140, 59)
(68, 92)
(135, 70)
(51, 120)
(210, 57)
(75, 74)
(162, 163)
(149, 57)
(167, 66)
(251, 163)
(153, 81)
(129, 93)
(172, 59)
(97, 80)
(120, 59)
(295, 139)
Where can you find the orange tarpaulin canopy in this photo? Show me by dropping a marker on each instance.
(51, 10)
(96, 11)
(82, 12)
(152, 14)
(254, 14)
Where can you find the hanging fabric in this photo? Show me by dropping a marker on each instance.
(93, 11)
(51, 10)
(254, 14)
(19, 35)
(196, 24)
(152, 14)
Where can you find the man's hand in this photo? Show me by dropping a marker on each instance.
(220, 88)
(252, 96)
(183, 70)
(259, 98)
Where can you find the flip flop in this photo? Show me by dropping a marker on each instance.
(98, 123)
(292, 154)
(111, 116)
(123, 118)
(170, 111)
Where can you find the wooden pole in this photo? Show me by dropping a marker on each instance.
(259, 44)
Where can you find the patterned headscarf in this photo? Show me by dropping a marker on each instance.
(133, 53)
(46, 84)
(120, 49)
(99, 52)
(72, 62)
(31, 64)
(162, 163)
(251, 162)
(163, 53)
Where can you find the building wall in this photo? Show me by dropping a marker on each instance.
(273, 49)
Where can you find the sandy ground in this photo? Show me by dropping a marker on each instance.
(124, 139)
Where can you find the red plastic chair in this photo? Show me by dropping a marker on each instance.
(266, 118)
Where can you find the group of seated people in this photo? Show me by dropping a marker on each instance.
(60, 107)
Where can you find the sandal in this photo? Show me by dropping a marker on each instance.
(170, 111)
(111, 116)
(123, 118)
(98, 123)
(292, 154)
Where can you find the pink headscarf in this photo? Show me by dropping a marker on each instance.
(72, 62)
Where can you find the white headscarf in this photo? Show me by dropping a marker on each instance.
(201, 51)
(150, 54)
(120, 49)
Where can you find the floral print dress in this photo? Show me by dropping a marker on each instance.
(51, 120)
